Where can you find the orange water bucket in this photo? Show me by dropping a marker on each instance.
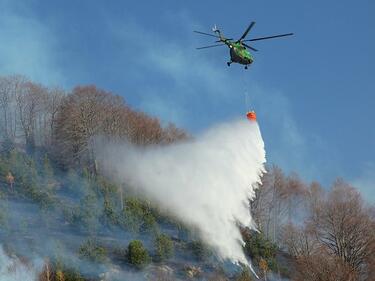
(251, 116)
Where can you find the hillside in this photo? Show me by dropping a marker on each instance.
(61, 218)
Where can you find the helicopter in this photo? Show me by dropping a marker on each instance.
(238, 49)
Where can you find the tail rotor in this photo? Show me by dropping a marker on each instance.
(215, 29)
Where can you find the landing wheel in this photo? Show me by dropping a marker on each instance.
(229, 63)
(246, 67)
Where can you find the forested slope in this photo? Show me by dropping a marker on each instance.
(61, 219)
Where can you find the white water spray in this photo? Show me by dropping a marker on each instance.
(207, 182)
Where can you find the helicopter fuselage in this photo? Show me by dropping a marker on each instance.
(239, 54)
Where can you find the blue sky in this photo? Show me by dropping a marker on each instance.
(314, 92)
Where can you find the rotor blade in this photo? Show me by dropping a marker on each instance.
(211, 46)
(251, 48)
(269, 37)
(225, 39)
(247, 31)
(206, 34)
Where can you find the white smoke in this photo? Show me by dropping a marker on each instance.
(12, 269)
(206, 182)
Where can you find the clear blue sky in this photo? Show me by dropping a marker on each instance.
(314, 92)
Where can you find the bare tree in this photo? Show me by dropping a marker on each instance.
(172, 134)
(342, 224)
(10, 86)
(294, 197)
(143, 130)
(276, 201)
(29, 99)
(5, 100)
(312, 261)
(267, 205)
(46, 274)
(322, 267)
(27, 111)
(50, 104)
(299, 241)
(337, 241)
(81, 116)
(89, 112)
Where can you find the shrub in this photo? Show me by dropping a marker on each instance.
(258, 247)
(137, 254)
(88, 214)
(138, 217)
(92, 251)
(200, 251)
(70, 275)
(109, 216)
(149, 224)
(245, 275)
(163, 247)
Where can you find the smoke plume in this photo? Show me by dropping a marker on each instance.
(12, 269)
(207, 182)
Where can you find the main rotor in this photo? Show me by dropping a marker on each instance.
(228, 41)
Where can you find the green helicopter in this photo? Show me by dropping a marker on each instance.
(238, 49)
